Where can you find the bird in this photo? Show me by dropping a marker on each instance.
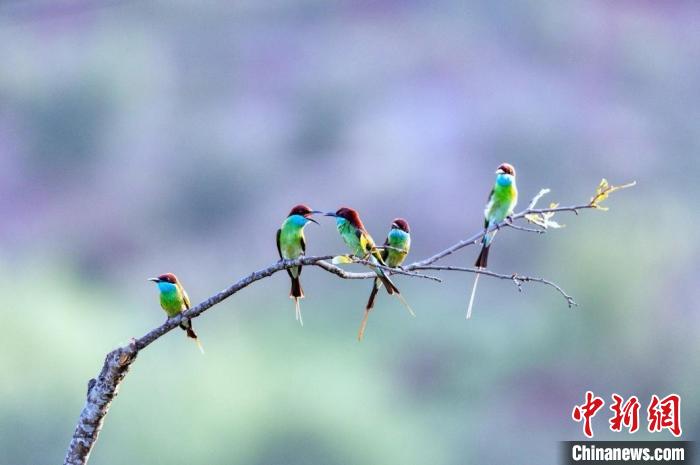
(500, 205)
(362, 246)
(174, 300)
(291, 244)
(393, 252)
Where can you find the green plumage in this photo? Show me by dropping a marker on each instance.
(502, 201)
(291, 243)
(174, 300)
(361, 244)
(396, 248)
(396, 239)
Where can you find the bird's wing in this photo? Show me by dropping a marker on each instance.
(279, 249)
(185, 298)
(366, 241)
(303, 244)
(385, 252)
(487, 210)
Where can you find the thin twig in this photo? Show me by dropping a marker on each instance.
(391, 270)
(518, 279)
(476, 237)
(525, 228)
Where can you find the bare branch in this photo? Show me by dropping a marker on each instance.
(525, 228)
(395, 270)
(518, 279)
(476, 237)
(103, 389)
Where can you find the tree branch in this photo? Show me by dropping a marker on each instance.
(518, 279)
(526, 229)
(103, 389)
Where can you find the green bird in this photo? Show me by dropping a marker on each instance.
(502, 201)
(174, 301)
(394, 252)
(362, 246)
(291, 245)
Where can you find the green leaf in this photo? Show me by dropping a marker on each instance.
(342, 260)
(604, 190)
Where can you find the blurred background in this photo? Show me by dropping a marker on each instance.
(140, 137)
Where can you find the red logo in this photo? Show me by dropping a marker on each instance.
(665, 414)
(661, 414)
(626, 414)
(587, 411)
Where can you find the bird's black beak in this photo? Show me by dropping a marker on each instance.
(314, 212)
(330, 214)
(155, 280)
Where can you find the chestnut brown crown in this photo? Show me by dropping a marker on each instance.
(351, 216)
(507, 168)
(301, 209)
(168, 278)
(400, 223)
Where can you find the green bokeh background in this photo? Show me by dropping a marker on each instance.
(139, 137)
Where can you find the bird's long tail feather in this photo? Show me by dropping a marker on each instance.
(199, 345)
(363, 325)
(296, 290)
(483, 258)
(393, 290)
(375, 288)
(405, 304)
(370, 304)
(187, 326)
(481, 263)
(471, 298)
(390, 286)
(297, 311)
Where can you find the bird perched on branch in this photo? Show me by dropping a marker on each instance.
(362, 246)
(502, 201)
(393, 253)
(174, 301)
(291, 245)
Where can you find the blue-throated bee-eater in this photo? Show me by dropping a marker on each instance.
(502, 201)
(174, 301)
(291, 245)
(362, 246)
(393, 253)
